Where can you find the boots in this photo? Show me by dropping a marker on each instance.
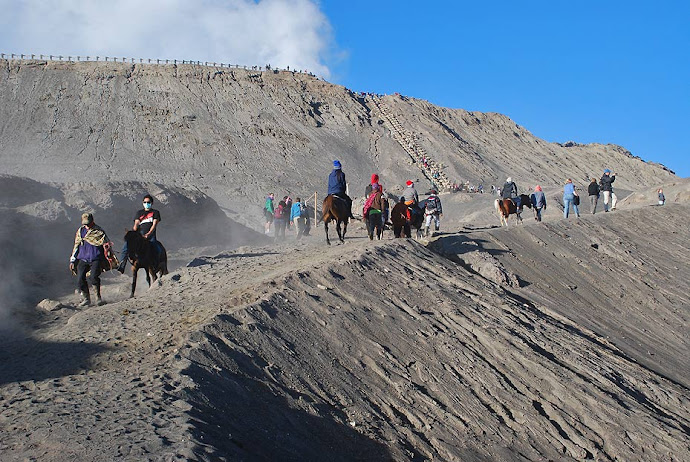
(426, 231)
(99, 300)
(85, 299)
(121, 267)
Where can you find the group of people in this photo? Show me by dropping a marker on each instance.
(570, 196)
(284, 215)
(376, 206)
(91, 252)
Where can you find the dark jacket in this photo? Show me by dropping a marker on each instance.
(606, 182)
(336, 182)
(538, 199)
(593, 189)
(509, 190)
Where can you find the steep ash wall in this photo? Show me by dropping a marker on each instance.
(237, 134)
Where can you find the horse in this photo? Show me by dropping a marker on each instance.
(506, 207)
(400, 223)
(335, 208)
(141, 254)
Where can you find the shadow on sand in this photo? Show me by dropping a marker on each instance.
(25, 359)
(241, 412)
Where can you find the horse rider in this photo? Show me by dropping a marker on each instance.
(433, 211)
(510, 191)
(337, 185)
(369, 188)
(411, 198)
(145, 221)
(606, 184)
(373, 211)
(86, 257)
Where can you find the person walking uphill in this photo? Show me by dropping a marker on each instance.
(606, 184)
(593, 192)
(570, 197)
(87, 255)
(145, 221)
(373, 209)
(538, 202)
(433, 210)
(337, 185)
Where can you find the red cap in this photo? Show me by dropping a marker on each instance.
(409, 183)
(374, 178)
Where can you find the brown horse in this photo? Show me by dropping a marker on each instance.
(400, 223)
(142, 255)
(506, 207)
(335, 208)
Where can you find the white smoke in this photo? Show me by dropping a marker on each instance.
(282, 33)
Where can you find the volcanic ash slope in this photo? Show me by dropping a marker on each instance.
(364, 351)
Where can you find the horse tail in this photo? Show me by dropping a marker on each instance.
(326, 213)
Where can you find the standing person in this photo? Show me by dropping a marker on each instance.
(280, 216)
(296, 217)
(268, 213)
(538, 201)
(570, 197)
(606, 184)
(662, 198)
(337, 185)
(86, 257)
(593, 191)
(510, 191)
(288, 207)
(145, 221)
(433, 211)
(373, 209)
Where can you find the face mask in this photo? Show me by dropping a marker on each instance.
(147, 205)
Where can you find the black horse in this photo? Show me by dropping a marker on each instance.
(400, 222)
(142, 255)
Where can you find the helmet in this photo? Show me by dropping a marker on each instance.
(409, 183)
(509, 180)
(433, 191)
(607, 170)
(336, 164)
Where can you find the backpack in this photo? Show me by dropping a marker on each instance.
(279, 212)
(431, 204)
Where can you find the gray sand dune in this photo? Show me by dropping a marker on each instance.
(334, 351)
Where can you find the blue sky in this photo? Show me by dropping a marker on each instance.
(588, 71)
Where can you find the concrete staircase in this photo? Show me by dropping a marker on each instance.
(432, 170)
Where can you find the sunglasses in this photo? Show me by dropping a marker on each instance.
(147, 202)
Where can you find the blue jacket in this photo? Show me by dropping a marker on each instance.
(569, 190)
(336, 182)
(296, 211)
